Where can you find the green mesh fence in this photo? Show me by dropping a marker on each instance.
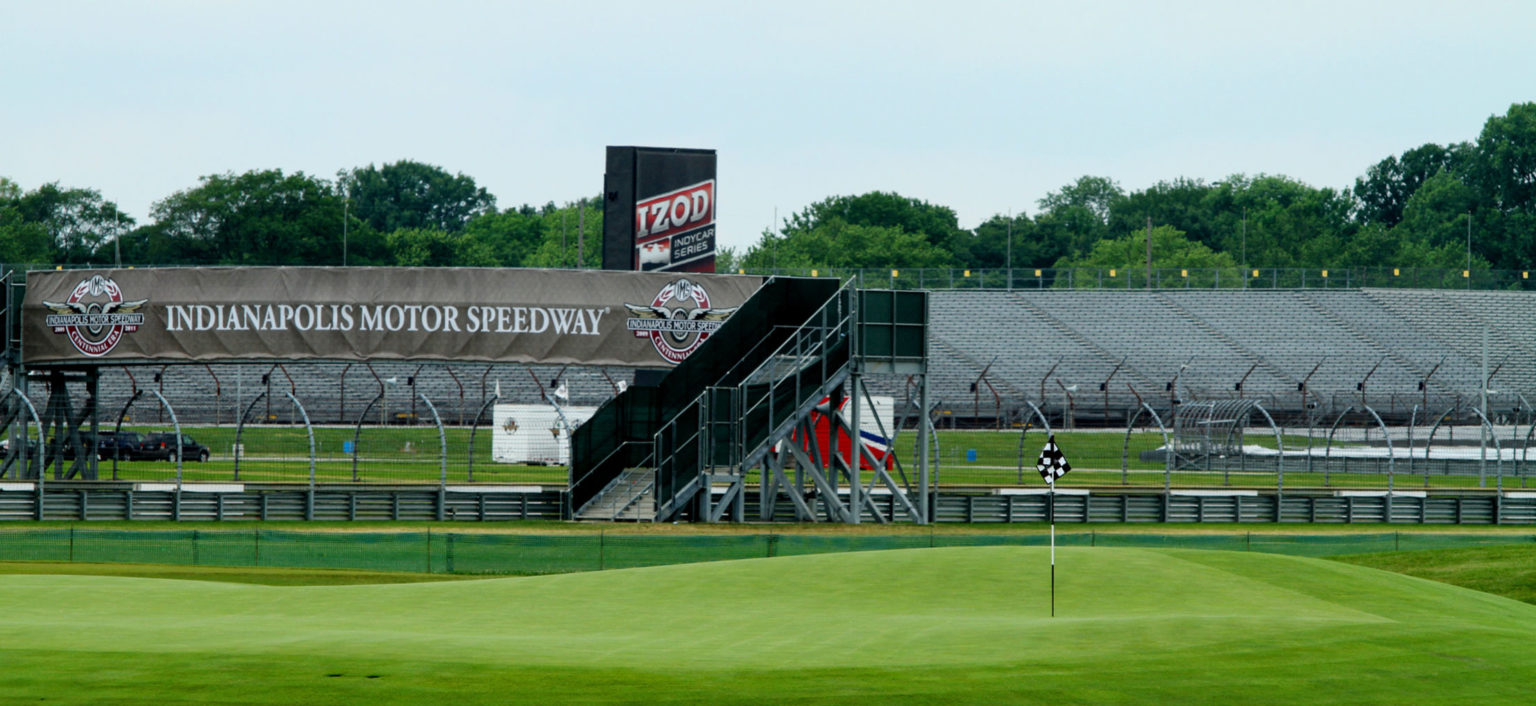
(485, 553)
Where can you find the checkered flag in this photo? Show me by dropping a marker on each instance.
(1052, 463)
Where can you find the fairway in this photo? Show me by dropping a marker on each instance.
(966, 624)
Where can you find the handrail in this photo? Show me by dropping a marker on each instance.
(801, 327)
(578, 481)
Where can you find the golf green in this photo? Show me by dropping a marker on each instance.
(967, 624)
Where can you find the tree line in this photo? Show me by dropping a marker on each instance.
(1420, 208)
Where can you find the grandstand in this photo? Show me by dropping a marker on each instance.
(1378, 343)
(1031, 343)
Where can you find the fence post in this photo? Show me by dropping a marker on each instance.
(474, 427)
(442, 444)
(310, 430)
(176, 424)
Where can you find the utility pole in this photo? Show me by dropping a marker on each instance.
(1469, 249)
(1149, 252)
(581, 232)
(346, 208)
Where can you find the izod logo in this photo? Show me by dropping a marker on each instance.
(676, 211)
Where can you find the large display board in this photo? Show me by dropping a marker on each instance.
(630, 319)
(659, 209)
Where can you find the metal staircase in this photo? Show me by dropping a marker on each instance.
(751, 421)
(631, 496)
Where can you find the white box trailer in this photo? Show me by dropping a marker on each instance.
(533, 433)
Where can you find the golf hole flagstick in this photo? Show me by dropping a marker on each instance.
(1052, 465)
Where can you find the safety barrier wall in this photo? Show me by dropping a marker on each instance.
(469, 505)
(471, 553)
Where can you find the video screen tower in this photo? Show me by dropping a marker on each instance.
(659, 209)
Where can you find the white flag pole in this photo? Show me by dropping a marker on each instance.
(1051, 482)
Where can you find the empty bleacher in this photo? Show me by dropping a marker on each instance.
(1040, 346)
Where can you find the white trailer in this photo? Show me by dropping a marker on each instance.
(534, 433)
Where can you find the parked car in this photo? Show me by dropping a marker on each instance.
(163, 447)
(5, 447)
(130, 444)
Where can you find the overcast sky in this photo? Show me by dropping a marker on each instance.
(984, 107)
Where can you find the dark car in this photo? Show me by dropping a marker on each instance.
(163, 447)
(125, 445)
(66, 449)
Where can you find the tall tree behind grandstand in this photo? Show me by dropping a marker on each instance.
(1413, 209)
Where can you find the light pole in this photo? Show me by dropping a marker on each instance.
(1469, 249)
(346, 208)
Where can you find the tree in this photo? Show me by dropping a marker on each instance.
(1098, 195)
(937, 224)
(837, 243)
(78, 221)
(1185, 204)
(418, 247)
(1504, 172)
(22, 242)
(505, 239)
(1170, 250)
(409, 194)
(1387, 186)
(255, 218)
(560, 229)
(1001, 237)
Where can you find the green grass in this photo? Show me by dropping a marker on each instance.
(1508, 571)
(411, 454)
(911, 626)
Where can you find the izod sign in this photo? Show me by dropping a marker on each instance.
(676, 228)
(588, 317)
(659, 210)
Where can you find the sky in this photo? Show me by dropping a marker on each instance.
(984, 107)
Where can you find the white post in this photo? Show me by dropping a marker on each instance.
(1050, 482)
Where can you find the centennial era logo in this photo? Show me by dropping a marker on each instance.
(676, 331)
(95, 317)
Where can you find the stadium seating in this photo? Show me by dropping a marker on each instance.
(1209, 339)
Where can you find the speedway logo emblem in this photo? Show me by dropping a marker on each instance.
(95, 316)
(677, 331)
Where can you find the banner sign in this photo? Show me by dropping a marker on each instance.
(659, 209)
(630, 319)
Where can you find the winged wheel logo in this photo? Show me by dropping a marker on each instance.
(678, 319)
(95, 316)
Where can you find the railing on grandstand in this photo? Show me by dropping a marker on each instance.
(1136, 278)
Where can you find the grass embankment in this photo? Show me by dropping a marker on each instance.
(1504, 571)
(914, 626)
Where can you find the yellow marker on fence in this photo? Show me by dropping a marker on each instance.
(895, 274)
(1325, 274)
(1111, 273)
(1037, 273)
(967, 273)
(1183, 273)
(1395, 272)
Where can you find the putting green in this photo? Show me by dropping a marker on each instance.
(928, 625)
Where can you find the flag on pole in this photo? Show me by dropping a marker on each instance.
(1052, 464)
(563, 393)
